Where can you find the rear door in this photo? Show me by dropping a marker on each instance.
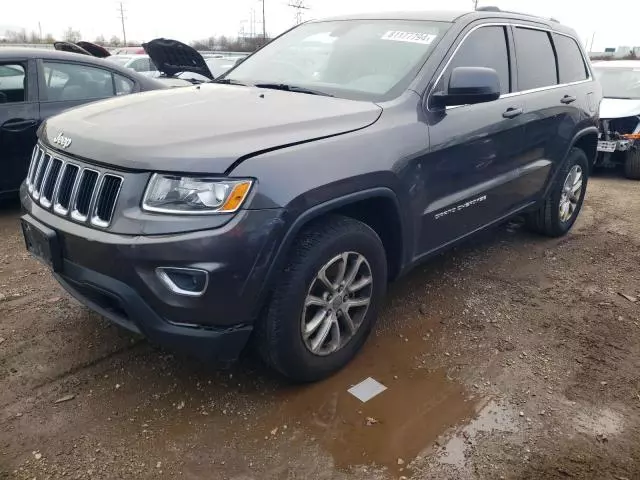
(553, 81)
(469, 173)
(18, 121)
(65, 85)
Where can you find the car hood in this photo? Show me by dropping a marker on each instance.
(172, 57)
(70, 47)
(619, 108)
(202, 129)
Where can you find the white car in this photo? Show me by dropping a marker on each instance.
(619, 141)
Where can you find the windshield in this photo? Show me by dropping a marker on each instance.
(619, 82)
(356, 59)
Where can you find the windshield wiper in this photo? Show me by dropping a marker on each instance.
(291, 88)
(228, 81)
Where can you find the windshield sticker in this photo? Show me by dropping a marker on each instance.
(411, 37)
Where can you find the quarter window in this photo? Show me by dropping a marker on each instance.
(124, 86)
(571, 64)
(12, 83)
(485, 47)
(536, 59)
(68, 81)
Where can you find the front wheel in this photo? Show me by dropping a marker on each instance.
(561, 208)
(326, 300)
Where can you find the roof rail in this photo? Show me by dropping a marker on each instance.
(491, 8)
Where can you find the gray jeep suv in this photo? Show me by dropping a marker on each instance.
(278, 201)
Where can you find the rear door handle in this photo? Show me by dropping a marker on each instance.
(567, 99)
(18, 125)
(512, 112)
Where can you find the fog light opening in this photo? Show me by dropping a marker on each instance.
(191, 282)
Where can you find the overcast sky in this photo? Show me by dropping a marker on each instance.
(615, 22)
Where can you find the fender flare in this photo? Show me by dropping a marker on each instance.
(580, 134)
(278, 261)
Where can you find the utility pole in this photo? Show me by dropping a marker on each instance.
(593, 39)
(40, 30)
(299, 7)
(264, 23)
(124, 33)
(475, 4)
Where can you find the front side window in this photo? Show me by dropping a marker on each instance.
(485, 47)
(536, 59)
(571, 66)
(357, 59)
(12, 83)
(69, 81)
(619, 82)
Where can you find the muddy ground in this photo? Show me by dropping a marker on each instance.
(511, 357)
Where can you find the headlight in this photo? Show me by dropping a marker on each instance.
(194, 195)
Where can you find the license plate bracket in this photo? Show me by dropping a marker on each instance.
(42, 242)
(606, 146)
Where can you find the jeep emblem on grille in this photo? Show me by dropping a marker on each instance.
(61, 140)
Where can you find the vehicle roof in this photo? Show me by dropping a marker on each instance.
(617, 64)
(451, 16)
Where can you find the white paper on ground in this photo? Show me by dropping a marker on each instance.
(367, 389)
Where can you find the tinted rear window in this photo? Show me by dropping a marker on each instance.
(536, 59)
(570, 60)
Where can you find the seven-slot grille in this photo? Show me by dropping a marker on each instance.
(85, 194)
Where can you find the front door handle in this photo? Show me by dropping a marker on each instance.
(18, 125)
(512, 112)
(567, 99)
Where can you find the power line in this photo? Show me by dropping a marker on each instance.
(299, 6)
(122, 18)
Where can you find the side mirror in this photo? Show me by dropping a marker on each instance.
(470, 85)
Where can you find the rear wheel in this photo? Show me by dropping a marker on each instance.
(632, 164)
(561, 208)
(326, 300)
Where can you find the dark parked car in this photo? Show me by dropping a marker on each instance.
(36, 84)
(279, 201)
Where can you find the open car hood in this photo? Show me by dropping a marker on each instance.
(84, 48)
(93, 49)
(172, 57)
(70, 47)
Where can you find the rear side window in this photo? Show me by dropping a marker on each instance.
(571, 64)
(12, 83)
(71, 81)
(485, 47)
(536, 59)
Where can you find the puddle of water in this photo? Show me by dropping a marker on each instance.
(491, 417)
(417, 407)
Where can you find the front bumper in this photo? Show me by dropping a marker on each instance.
(115, 275)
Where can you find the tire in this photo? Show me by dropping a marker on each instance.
(632, 164)
(546, 220)
(279, 334)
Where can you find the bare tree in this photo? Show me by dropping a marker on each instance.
(114, 41)
(48, 38)
(100, 40)
(34, 37)
(71, 35)
(14, 36)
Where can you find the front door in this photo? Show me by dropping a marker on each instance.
(19, 118)
(471, 171)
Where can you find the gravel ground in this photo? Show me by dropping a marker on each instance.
(511, 357)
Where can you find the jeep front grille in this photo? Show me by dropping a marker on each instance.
(73, 189)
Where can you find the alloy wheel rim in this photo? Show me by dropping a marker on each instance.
(336, 303)
(571, 193)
